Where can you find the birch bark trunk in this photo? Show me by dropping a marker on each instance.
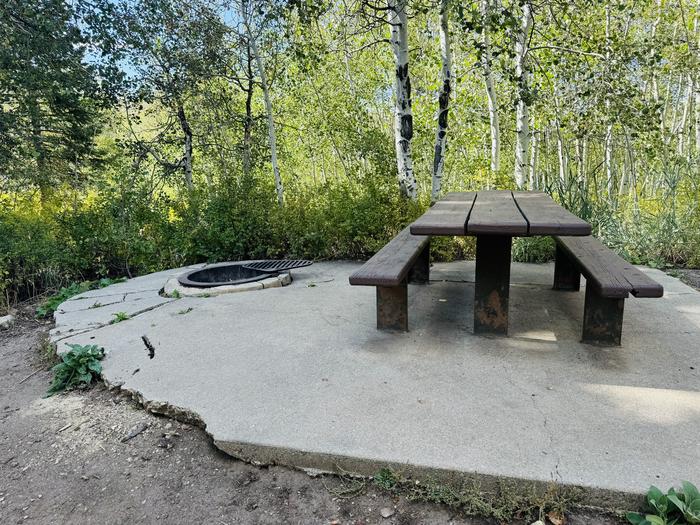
(403, 113)
(522, 117)
(268, 103)
(609, 175)
(490, 89)
(534, 178)
(443, 101)
(187, 157)
(248, 123)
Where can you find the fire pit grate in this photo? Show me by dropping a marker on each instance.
(277, 265)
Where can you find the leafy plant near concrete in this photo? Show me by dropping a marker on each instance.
(119, 317)
(79, 366)
(676, 507)
(49, 306)
(504, 502)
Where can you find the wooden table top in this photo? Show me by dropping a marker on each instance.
(499, 212)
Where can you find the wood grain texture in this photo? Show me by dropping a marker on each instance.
(390, 265)
(495, 213)
(612, 276)
(546, 217)
(446, 217)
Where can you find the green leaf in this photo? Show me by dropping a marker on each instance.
(655, 520)
(690, 491)
(635, 518)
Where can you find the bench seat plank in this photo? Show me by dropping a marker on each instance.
(495, 213)
(390, 265)
(611, 274)
(446, 217)
(546, 217)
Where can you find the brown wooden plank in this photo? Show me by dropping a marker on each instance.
(446, 217)
(596, 265)
(390, 265)
(642, 285)
(546, 217)
(459, 196)
(495, 213)
(609, 272)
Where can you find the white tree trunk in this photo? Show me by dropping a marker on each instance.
(696, 104)
(533, 183)
(187, 147)
(563, 159)
(443, 101)
(490, 89)
(687, 107)
(522, 116)
(403, 113)
(268, 103)
(608, 160)
(609, 128)
(534, 178)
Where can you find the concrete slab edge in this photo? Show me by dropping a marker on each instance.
(318, 463)
(322, 463)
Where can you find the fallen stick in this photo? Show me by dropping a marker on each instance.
(30, 375)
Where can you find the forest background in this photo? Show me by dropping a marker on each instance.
(137, 135)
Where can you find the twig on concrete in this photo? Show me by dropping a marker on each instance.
(30, 375)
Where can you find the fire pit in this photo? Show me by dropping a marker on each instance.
(230, 277)
(222, 274)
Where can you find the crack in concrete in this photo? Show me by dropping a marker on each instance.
(547, 430)
(99, 326)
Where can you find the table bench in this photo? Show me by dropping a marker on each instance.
(406, 258)
(494, 217)
(609, 281)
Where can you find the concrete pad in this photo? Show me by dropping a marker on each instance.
(299, 375)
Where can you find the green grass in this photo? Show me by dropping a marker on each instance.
(51, 303)
(119, 317)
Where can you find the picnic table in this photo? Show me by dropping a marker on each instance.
(494, 218)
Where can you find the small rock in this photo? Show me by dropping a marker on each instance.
(135, 431)
(7, 321)
(387, 512)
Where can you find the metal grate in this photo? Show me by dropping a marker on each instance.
(277, 265)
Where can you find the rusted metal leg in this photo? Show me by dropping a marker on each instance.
(492, 285)
(566, 274)
(392, 307)
(420, 273)
(602, 319)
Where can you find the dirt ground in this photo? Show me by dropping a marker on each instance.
(63, 460)
(689, 276)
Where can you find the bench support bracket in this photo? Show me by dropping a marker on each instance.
(602, 319)
(420, 272)
(392, 307)
(567, 276)
(492, 287)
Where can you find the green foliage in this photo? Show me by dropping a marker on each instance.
(50, 95)
(676, 507)
(78, 367)
(49, 306)
(77, 205)
(504, 502)
(119, 317)
(533, 249)
(386, 479)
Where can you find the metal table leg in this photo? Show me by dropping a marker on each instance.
(492, 284)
